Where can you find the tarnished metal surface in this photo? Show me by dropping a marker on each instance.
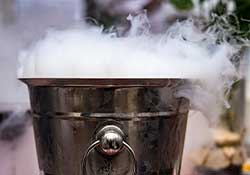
(63, 138)
(97, 82)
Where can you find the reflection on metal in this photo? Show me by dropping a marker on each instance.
(108, 127)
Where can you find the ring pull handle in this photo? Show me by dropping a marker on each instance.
(110, 141)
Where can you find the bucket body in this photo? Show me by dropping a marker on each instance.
(108, 127)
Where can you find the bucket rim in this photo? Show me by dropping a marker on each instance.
(102, 82)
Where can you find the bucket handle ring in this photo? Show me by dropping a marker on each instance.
(110, 142)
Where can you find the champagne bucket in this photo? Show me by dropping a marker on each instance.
(108, 126)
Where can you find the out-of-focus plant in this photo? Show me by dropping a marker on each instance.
(230, 19)
(243, 13)
(183, 4)
(233, 19)
(237, 12)
(239, 18)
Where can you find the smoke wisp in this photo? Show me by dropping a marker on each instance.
(184, 51)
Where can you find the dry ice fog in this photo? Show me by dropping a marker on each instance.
(184, 51)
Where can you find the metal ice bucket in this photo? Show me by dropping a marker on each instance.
(108, 126)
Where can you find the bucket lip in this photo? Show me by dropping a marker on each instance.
(102, 82)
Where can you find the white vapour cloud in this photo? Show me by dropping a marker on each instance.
(183, 51)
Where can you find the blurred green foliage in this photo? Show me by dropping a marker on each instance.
(243, 14)
(220, 9)
(182, 4)
(239, 20)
